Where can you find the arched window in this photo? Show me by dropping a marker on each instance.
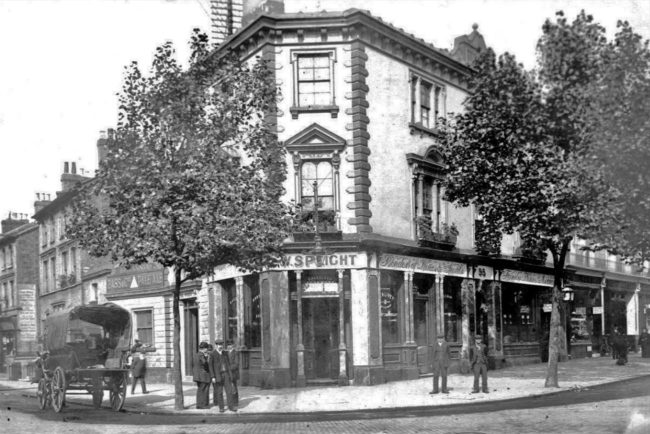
(317, 174)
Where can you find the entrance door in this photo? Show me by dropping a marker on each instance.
(190, 333)
(321, 338)
(424, 319)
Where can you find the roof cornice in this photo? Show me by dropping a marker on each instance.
(345, 27)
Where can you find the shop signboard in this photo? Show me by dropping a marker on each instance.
(526, 278)
(319, 283)
(547, 307)
(301, 261)
(598, 310)
(422, 265)
(484, 273)
(142, 276)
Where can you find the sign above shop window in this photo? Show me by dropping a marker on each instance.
(526, 277)
(319, 283)
(598, 310)
(483, 273)
(422, 265)
(142, 276)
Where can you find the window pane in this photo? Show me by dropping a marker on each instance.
(326, 202)
(306, 88)
(322, 99)
(453, 309)
(391, 281)
(321, 61)
(425, 95)
(306, 100)
(321, 74)
(305, 74)
(322, 87)
(305, 62)
(323, 170)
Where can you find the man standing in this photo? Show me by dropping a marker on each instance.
(441, 361)
(233, 358)
(201, 376)
(220, 373)
(139, 371)
(479, 358)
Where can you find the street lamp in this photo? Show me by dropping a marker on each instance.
(568, 293)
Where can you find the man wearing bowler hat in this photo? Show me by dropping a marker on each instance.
(441, 361)
(220, 372)
(479, 360)
(201, 376)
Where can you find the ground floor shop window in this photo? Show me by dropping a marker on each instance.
(423, 288)
(520, 306)
(453, 309)
(615, 312)
(581, 317)
(230, 309)
(392, 284)
(253, 335)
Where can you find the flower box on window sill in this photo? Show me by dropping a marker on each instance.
(296, 110)
(418, 128)
(529, 257)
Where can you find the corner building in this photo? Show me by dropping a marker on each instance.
(396, 264)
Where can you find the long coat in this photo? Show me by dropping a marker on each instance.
(201, 368)
(441, 353)
(219, 365)
(233, 358)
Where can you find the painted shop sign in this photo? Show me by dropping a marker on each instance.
(335, 261)
(598, 310)
(138, 276)
(526, 278)
(484, 273)
(317, 283)
(547, 307)
(422, 265)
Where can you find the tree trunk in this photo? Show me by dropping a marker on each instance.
(177, 373)
(557, 333)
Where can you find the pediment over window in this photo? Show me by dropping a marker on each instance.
(315, 138)
(431, 164)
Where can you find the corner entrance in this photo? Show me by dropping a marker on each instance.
(321, 338)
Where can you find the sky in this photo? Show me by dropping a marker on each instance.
(62, 63)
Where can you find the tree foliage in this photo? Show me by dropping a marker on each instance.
(523, 150)
(620, 134)
(194, 175)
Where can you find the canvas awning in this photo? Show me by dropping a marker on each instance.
(7, 324)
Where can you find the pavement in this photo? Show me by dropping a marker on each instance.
(505, 384)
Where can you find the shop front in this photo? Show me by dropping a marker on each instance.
(585, 327)
(621, 308)
(526, 316)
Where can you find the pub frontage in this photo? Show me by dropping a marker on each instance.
(364, 312)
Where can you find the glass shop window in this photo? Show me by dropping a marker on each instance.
(392, 283)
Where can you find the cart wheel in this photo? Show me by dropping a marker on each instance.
(58, 389)
(118, 392)
(43, 393)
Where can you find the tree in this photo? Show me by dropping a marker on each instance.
(520, 151)
(620, 126)
(194, 175)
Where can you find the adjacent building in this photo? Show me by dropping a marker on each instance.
(18, 290)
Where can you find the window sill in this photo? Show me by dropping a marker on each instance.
(418, 128)
(333, 109)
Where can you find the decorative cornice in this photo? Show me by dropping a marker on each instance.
(346, 27)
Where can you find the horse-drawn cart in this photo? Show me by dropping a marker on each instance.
(86, 346)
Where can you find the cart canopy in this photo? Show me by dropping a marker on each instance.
(112, 318)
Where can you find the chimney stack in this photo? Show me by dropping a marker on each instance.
(102, 144)
(14, 220)
(42, 200)
(228, 16)
(69, 177)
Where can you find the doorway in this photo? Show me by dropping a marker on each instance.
(190, 333)
(321, 337)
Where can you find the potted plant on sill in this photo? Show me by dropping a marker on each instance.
(427, 237)
(305, 225)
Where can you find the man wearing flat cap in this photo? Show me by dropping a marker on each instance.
(441, 361)
(479, 358)
(201, 376)
(220, 373)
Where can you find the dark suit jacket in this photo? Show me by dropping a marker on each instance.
(478, 356)
(233, 358)
(442, 354)
(219, 365)
(201, 368)
(139, 367)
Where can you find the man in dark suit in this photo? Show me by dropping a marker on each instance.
(201, 376)
(220, 373)
(139, 371)
(478, 359)
(441, 362)
(233, 358)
